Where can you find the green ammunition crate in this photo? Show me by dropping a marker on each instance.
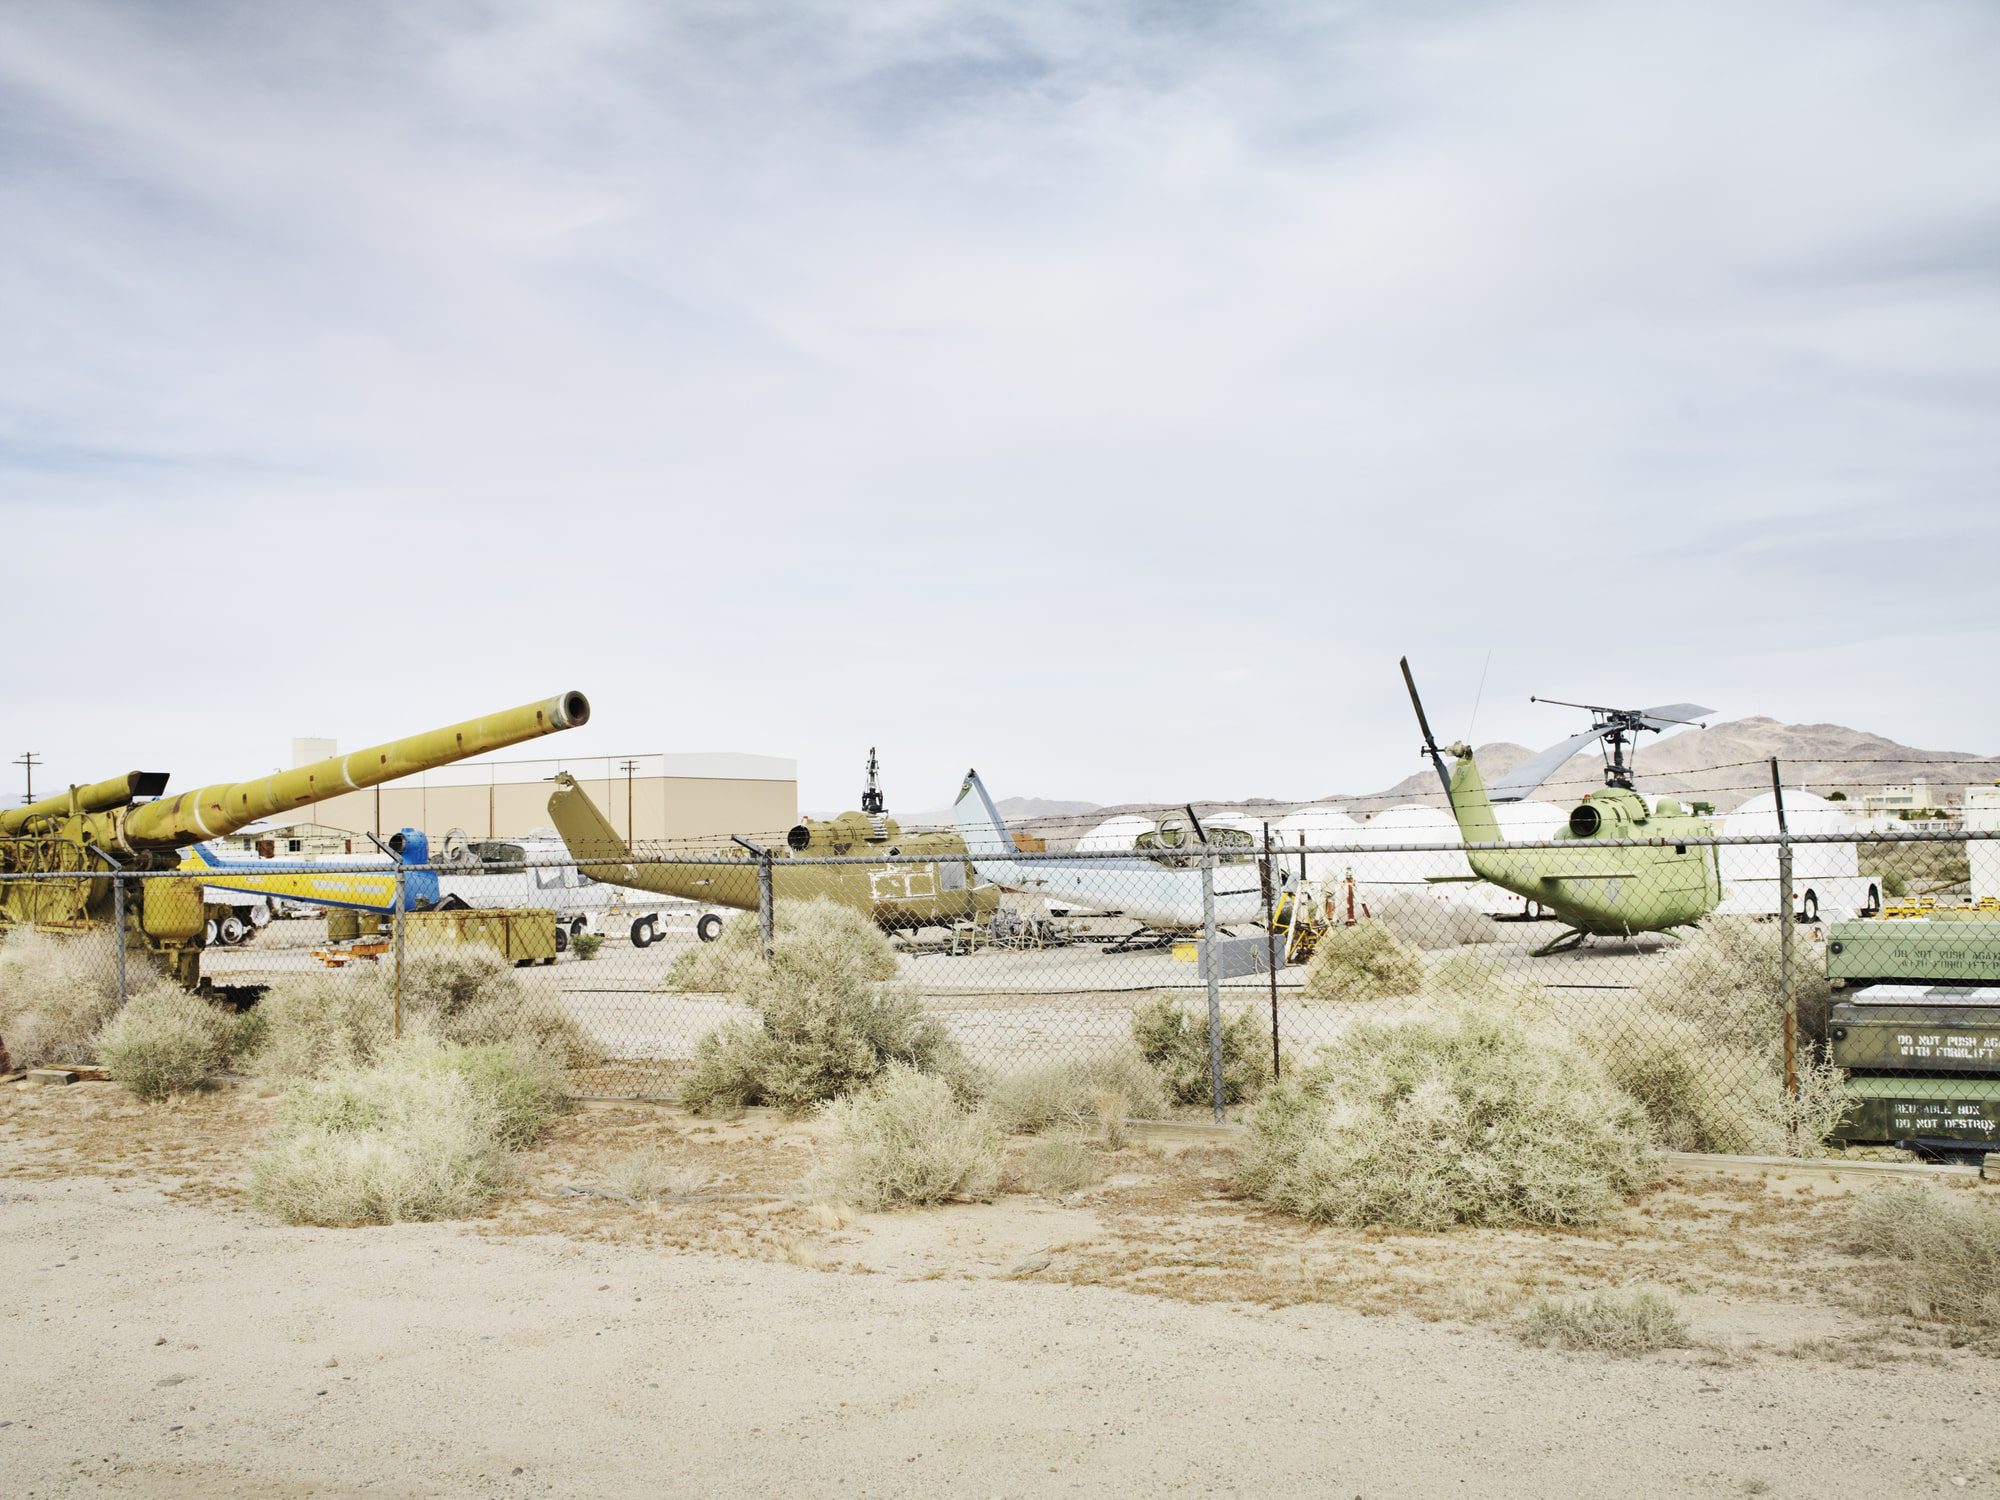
(1918, 1030)
(1888, 1108)
(1939, 949)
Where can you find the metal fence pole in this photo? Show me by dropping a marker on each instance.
(1786, 999)
(1266, 879)
(1214, 980)
(767, 903)
(118, 928)
(402, 890)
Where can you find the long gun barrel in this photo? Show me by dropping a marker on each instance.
(99, 796)
(213, 811)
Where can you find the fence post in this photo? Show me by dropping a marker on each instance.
(766, 903)
(118, 927)
(1214, 981)
(1786, 923)
(402, 890)
(1266, 877)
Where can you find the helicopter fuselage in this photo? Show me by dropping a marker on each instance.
(1592, 883)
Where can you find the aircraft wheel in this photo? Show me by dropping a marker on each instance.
(709, 928)
(578, 927)
(260, 917)
(208, 935)
(562, 938)
(645, 933)
(1809, 907)
(232, 930)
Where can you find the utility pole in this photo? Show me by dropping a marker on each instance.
(628, 767)
(30, 760)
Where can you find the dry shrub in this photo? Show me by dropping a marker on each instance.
(1056, 1164)
(525, 1087)
(1699, 1095)
(906, 1140)
(422, 1134)
(1704, 1054)
(56, 994)
(1173, 1038)
(1426, 922)
(1947, 1245)
(825, 1025)
(1470, 1116)
(465, 993)
(1078, 1094)
(1608, 1322)
(1724, 978)
(728, 965)
(383, 1145)
(318, 1023)
(165, 1041)
(468, 993)
(652, 1176)
(1364, 962)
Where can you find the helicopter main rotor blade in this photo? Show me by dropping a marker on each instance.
(1537, 769)
(1669, 714)
(1430, 742)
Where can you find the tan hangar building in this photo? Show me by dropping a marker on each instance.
(675, 798)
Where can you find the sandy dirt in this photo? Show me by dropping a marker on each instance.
(1150, 1334)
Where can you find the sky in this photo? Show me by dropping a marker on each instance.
(1102, 395)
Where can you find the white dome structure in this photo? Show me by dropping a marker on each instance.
(1805, 812)
(1411, 823)
(1115, 835)
(1529, 822)
(1320, 823)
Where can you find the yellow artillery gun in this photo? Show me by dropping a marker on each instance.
(76, 842)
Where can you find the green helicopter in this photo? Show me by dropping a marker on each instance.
(1595, 888)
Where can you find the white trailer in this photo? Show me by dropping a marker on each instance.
(1827, 883)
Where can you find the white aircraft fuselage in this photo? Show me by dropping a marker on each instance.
(1160, 896)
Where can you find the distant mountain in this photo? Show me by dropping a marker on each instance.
(1012, 810)
(1729, 763)
(1726, 764)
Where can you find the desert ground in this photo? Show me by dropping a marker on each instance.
(1151, 1333)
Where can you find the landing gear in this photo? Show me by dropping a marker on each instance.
(1564, 942)
(646, 931)
(709, 927)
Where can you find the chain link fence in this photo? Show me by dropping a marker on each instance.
(1755, 994)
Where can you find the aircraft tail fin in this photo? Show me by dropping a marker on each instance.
(979, 821)
(585, 831)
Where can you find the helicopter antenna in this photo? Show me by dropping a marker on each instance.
(871, 795)
(1473, 722)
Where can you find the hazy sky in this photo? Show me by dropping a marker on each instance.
(1104, 395)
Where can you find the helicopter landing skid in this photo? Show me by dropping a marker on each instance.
(1563, 942)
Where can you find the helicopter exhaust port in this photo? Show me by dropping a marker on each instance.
(1584, 821)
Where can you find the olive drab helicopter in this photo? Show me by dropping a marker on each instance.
(940, 888)
(1594, 885)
